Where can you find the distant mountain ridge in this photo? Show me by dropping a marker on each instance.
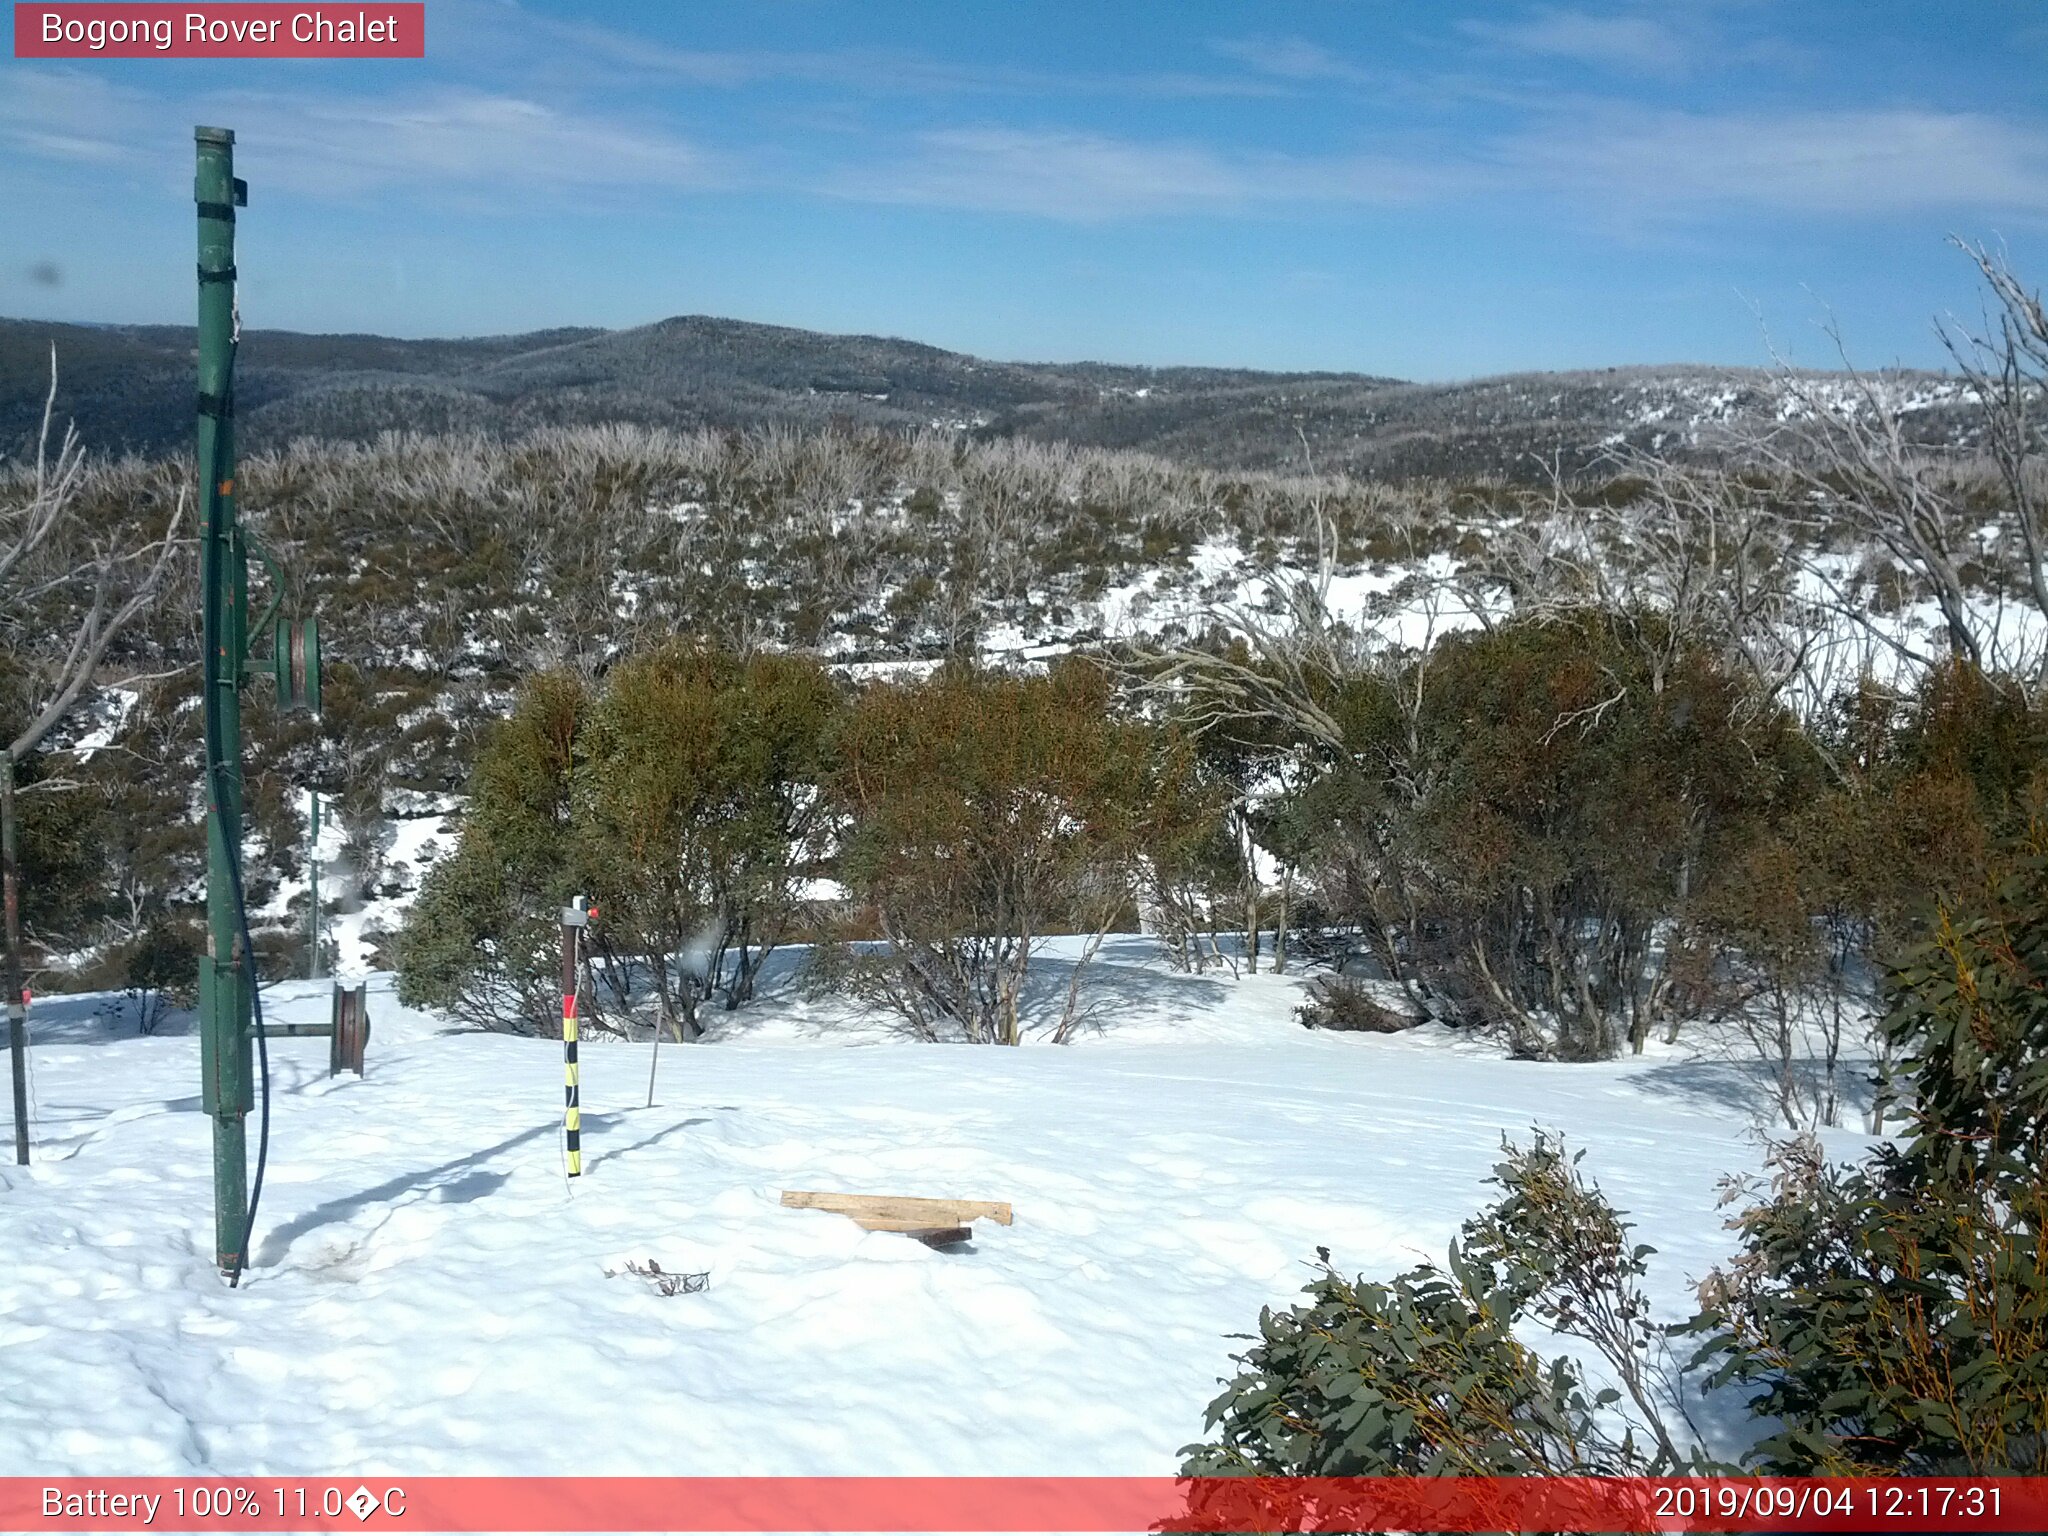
(130, 387)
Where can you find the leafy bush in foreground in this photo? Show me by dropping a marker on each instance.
(1424, 1375)
(1887, 1319)
(1894, 1317)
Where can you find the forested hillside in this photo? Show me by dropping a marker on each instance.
(128, 388)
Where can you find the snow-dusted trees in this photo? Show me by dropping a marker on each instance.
(1708, 549)
(2006, 366)
(67, 591)
(1964, 524)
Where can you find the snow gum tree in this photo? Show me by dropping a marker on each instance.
(1892, 1317)
(1523, 820)
(1923, 788)
(682, 796)
(482, 940)
(988, 812)
(699, 815)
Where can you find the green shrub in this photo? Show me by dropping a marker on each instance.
(698, 813)
(1517, 819)
(1424, 1375)
(683, 797)
(1893, 1318)
(1344, 1003)
(1420, 1376)
(162, 970)
(987, 811)
(482, 941)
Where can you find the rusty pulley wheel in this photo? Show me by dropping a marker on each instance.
(351, 1029)
(295, 662)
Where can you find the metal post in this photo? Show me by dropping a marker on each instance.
(574, 920)
(654, 1060)
(313, 891)
(17, 1012)
(224, 1001)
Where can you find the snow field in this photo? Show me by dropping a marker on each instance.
(429, 1295)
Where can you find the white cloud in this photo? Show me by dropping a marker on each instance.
(1292, 58)
(1092, 177)
(336, 145)
(532, 44)
(1056, 174)
(345, 146)
(1623, 42)
(1623, 163)
(1885, 161)
(57, 114)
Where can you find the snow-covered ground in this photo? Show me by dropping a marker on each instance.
(429, 1294)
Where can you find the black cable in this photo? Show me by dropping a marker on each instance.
(263, 1059)
(210, 626)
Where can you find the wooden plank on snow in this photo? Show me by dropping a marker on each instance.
(900, 1213)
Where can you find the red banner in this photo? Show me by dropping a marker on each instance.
(1009, 1504)
(371, 30)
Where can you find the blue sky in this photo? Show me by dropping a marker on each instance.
(1429, 190)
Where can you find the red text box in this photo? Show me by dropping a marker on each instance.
(101, 30)
(387, 1505)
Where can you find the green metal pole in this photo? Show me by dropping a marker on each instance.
(313, 891)
(224, 1040)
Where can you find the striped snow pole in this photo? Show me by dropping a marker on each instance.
(574, 920)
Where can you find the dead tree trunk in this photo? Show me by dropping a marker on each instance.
(17, 1019)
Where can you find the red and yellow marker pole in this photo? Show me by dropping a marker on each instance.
(574, 920)
(572, 1113)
